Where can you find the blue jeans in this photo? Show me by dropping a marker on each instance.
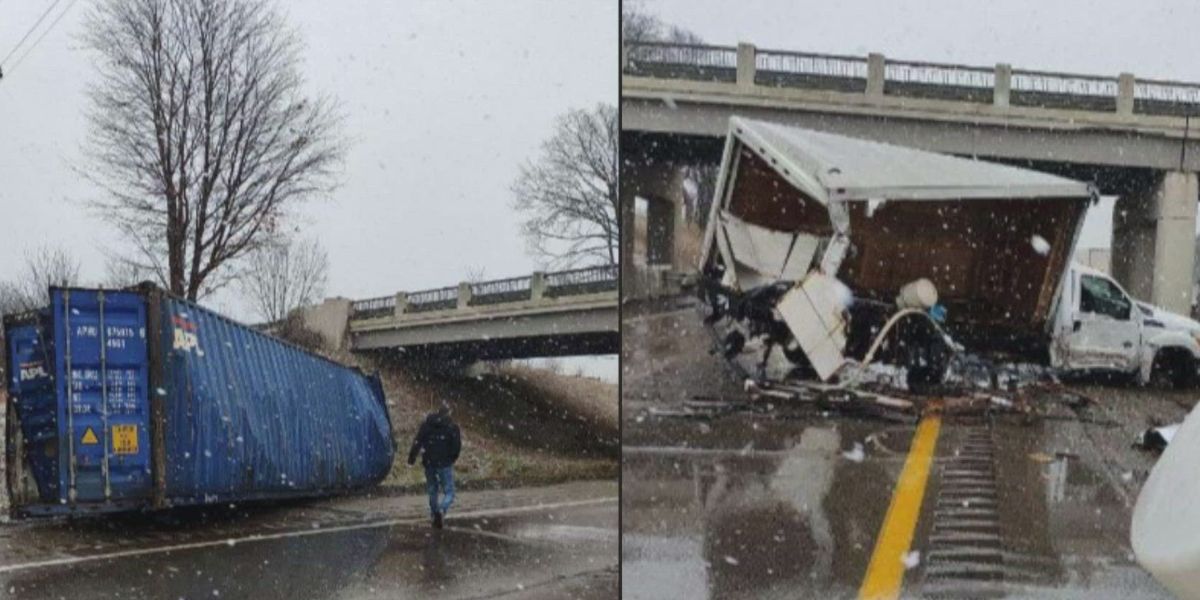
(442, 479)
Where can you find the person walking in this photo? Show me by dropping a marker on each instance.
(439, 442)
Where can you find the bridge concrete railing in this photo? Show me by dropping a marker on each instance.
(525, 292)
(875, 75)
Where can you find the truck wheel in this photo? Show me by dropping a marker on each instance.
(1173, 368)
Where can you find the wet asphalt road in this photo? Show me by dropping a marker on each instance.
(781, 504)
(551, 542)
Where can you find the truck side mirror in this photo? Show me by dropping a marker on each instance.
(1077, 325)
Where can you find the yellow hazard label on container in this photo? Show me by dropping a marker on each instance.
(124, 439)
(89, 437)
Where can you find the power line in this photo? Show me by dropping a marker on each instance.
(35, 43)
(29, 33)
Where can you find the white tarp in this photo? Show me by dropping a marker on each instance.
(848, 168)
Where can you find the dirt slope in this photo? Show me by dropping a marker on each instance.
(519, 425)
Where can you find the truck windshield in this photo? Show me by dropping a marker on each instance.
(1103, 297)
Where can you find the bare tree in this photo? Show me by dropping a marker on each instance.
(285, 275)
(475, 274)
(639, 25)
(201, 134)
(122, 273)
(569, 194)
(11, 301)
(44, 267)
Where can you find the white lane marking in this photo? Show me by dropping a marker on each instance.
(72, 560)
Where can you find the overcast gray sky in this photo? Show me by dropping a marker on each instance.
(443, 100)
(1154, 40)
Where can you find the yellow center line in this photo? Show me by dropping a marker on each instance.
(885, 573)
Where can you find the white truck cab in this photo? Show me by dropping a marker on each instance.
(1097, 326)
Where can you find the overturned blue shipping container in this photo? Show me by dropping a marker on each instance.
(133, 400)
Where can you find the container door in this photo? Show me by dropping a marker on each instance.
(105, 420)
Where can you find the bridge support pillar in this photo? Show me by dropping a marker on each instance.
(628, 208)
(671, 242)
(661, 185)
(1154, 241)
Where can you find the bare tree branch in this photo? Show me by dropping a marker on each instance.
(639, 25)
(285, 275)
(201, 134)
(569, 194)
(475, 274)
(44, 267)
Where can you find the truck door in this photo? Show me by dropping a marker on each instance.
(1106, 331)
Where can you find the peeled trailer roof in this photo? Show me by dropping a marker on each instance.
(827, 166)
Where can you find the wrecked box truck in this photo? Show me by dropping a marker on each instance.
(824, 254)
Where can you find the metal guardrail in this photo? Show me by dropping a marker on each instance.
(815, 71)
(373, 307)
(683, 61)
(1068, 84)
(1151, 96)
(1019, 87)
(926, 73)
(808, 63)
(1166, 91)
(429, 300)
(513, 289)
(588, 280)
(697, 55)
(939, 81)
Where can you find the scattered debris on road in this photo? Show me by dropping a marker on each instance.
(1156, 439)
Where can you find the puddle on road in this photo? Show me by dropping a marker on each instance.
(754, 522)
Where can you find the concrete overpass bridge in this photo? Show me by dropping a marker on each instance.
(563, 313)
(1132, 137)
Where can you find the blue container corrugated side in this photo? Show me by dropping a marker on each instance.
(249, 416)
(134, 400)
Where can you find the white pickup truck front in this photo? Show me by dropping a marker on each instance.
(1098, 327)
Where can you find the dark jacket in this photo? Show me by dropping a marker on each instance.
(440, 440)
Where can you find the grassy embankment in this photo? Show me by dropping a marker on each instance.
(520, 426)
